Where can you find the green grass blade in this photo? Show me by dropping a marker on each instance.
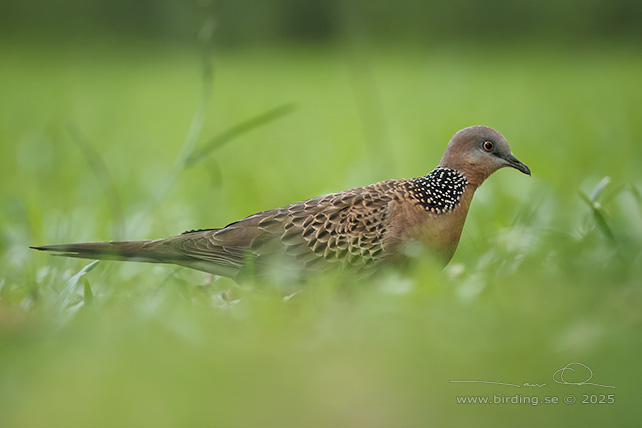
(599, 188)
(87, 293)
(100, 170)
(599, 216)
(64, 298)
(240, 129)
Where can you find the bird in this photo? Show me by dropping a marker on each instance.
(357, 229)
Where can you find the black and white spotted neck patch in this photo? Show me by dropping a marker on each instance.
(440, 191)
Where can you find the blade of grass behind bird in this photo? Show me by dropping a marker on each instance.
(187, 157)
(195, 128)
(100, 170)
(238, 130)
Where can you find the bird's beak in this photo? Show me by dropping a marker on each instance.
(515, 163)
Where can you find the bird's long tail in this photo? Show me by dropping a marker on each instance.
(152, 251)
(191, 249)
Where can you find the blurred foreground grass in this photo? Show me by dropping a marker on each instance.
(543, 276)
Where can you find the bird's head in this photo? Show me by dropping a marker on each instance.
(477, 152)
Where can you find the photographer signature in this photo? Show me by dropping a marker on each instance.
(561, 376)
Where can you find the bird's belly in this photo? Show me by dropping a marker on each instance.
(439, 233)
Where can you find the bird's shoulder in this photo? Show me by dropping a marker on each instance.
(344, 211)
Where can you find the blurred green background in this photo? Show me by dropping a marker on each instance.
(142, 119)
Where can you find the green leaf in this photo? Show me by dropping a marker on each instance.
(88, 295)
(598, 214)
(67, 291)
(240, 129)
(599, 188)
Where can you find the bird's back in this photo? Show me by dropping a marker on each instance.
(347, 229)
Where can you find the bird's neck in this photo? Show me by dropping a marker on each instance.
(474, 174)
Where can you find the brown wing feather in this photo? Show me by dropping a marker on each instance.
(346, 228)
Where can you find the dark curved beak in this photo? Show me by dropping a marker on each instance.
(512, 161)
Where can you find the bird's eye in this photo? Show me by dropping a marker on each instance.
(488, 146)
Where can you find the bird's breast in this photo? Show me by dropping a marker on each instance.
(438, 232)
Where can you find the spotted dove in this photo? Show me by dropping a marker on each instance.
(357, 228)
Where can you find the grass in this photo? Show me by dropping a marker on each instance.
(547, 272)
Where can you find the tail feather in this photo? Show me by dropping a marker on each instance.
(115, 250)
(168, 250)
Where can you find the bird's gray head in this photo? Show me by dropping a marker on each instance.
(477, 152)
